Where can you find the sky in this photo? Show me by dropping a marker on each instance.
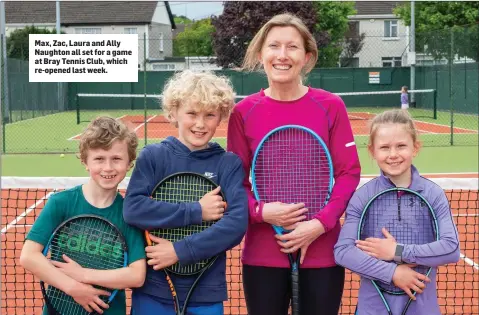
(196, 10)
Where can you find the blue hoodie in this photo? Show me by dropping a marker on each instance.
(155, 162)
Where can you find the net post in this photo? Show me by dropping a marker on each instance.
(77, 102)
(434, 103)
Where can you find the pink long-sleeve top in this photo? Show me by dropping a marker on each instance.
(324, 113)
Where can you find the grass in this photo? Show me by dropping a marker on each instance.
(430, 160)
(50, 134)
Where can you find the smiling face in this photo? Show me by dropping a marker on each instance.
(108, 168)
(196, 126)
(393, 148)
(283, 55)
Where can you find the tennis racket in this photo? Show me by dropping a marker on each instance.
(91, 241)
(409, 218)
(292, 165)
(177, 188)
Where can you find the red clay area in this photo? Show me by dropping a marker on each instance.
(158, 127)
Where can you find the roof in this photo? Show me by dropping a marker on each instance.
(179, 29)
(376, 7)
(83, 12)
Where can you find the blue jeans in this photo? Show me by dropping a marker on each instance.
(144, 304)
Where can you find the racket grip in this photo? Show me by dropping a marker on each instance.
(295, 292)
(147, 238)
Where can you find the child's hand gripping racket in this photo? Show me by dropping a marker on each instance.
(177, 188)
(409, 218)
(292, 165)
(91, 241)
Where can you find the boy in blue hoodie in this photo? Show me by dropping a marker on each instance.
(195, 103)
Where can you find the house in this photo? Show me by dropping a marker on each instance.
(152, 19)
(386, 42)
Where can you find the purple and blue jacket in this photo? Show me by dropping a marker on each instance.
(434, 254)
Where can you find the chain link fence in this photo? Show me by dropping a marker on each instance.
(447, 60)
(49, 117)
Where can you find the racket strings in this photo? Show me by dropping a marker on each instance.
(178, 189)
(406, 217)
(293, 167)
(90, 242)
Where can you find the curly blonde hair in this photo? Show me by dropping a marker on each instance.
(251, 62)
(102, 132)
(205, 90)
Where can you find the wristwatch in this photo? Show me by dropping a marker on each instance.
(398, 253)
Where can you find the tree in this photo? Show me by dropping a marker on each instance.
(195, 40)
(181, 19)
(444, 27)
(352, 44)
(239, 22)
(332, 17)
(17, 42)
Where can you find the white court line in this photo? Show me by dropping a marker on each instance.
(142, 124)
(469, 261)
(24, 214)
(458, 128)
(425, 131)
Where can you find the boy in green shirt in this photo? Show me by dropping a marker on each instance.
(107, 150)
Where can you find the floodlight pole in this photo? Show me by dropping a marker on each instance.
(4, 107)
(412, 60)
(58, 28)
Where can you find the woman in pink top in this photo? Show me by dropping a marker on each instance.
(286, 51)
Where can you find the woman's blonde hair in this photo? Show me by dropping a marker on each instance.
(102, 132)
(394, 116)
(204, 90)
(251, 62)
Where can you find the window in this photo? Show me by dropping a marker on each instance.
(88, 30)
(130, 30)
(392, 61)
(349, 62)
(161, 42)
(391, 29)
(353, 30)
(164, 67)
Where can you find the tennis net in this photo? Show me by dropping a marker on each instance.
(23, 199)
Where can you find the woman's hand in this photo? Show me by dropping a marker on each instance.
(283, 214)
(301, 237)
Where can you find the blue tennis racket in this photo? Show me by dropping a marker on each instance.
(292, 164)
(93, 242)
(409, 218)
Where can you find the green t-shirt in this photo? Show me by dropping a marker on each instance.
(69, 203)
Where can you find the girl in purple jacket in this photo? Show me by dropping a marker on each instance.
(393, 144)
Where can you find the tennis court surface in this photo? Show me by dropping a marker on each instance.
(23, 199)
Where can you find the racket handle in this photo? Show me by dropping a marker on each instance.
(295, 292)
(147, 238)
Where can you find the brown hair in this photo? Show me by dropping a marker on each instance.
(102, 132)
(251, 62)
(205, 89)
(394, 116)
